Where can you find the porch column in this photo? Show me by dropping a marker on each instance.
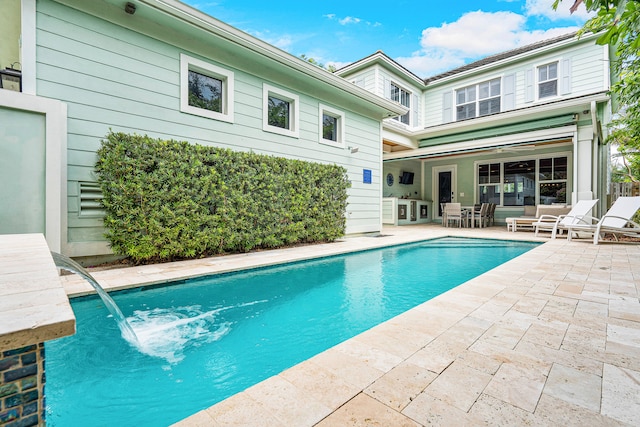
(583, 161)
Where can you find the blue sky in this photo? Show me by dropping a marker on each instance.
(426, 37)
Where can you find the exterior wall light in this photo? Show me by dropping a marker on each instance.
(11, 78)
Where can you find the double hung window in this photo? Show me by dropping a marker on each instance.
(548, 80)
(478, 100)
(402, 96)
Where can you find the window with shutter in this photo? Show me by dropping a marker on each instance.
(478, 100)
(548, 80)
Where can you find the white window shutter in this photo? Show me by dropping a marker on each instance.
(415, 105)
(387, 87)
(565, 85)
(446, 107)
(528, 85)
(508, 92)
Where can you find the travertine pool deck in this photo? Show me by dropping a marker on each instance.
(549, 338)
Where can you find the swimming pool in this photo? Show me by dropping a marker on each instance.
(209, 338)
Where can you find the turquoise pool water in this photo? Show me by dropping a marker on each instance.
(206, 339)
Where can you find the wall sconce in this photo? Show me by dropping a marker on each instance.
(11, 78)
(353, 150)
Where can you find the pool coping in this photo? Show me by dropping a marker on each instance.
(515, 345)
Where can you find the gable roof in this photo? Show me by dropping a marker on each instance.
(379, 57)
(500, 56)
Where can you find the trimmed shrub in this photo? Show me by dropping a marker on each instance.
(168, 200)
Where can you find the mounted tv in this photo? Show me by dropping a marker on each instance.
(406, 178)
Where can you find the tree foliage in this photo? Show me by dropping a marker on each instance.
(168, 200)
(329, 68)
(618, 23)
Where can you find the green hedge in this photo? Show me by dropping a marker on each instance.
(169, 200)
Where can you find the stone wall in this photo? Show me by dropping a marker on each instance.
(22, 386)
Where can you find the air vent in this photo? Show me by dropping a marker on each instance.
(90, 199)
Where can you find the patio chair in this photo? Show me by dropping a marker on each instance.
(491, 214)
(481, 215)
(453, 212)
(616, 221)
(555, 223)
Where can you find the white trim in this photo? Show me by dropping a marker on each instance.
(55, 113)
(340, 115)
(519, 138)
(409, 113)
(536, 80)
(188, 63)
(285, 95)
(570, 180)
(196, 18)
(28, 46)
(454, 106)
(434, 186)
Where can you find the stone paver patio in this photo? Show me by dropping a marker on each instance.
(549, 338)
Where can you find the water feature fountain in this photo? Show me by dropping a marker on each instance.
(66, 263)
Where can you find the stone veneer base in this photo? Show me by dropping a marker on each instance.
(22, 386)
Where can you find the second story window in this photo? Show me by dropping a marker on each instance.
(403, 97)
(478, 100)
(548, 80)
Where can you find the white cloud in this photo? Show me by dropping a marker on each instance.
(543, 8)
(349, 20)
(282, 41)
(472, 37)
(473, 34)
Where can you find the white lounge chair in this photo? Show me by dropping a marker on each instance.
(616, 221)
(557, 223)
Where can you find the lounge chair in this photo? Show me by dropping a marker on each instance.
(555, 223)
(532, 215)
(616, 221)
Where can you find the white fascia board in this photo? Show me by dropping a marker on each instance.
(473, 145)
(398, 139)
(194, 17)
(381, 59)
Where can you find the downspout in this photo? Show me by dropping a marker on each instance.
(574, 198)
(596, 161)
(382, 177)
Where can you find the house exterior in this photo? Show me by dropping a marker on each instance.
(523, 127)
(520, 128)
(93, 66)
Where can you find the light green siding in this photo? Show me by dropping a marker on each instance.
(115, 78)
(588, 76)
(22, 172)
